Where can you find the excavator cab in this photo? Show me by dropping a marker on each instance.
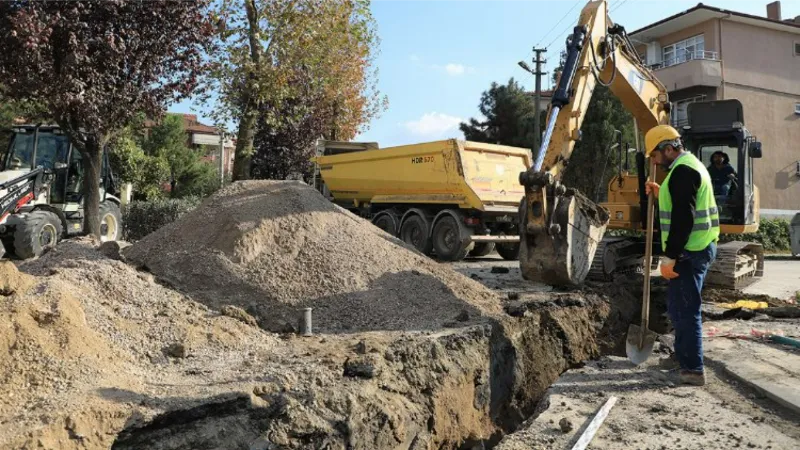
(717, 136)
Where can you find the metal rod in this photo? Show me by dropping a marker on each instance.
(548, 134)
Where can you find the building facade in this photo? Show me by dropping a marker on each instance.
(707, 53)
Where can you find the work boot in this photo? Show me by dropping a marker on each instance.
(693, 378)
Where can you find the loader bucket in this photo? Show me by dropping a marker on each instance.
(563, 259)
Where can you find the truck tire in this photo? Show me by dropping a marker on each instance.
(110, 222)
(482, 249)
(509, 252)
(447, 240)
(414, 231)
(386, 222)
(38, 231)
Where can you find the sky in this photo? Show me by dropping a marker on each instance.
(438, 56)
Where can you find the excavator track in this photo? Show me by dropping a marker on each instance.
(738, 264)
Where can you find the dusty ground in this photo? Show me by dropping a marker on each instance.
(653, 413)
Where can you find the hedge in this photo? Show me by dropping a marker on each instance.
(773, 234)
(143, 217)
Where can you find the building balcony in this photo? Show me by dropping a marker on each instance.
(690, 70)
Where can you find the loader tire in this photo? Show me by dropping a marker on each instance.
(447, 241)
(414, 231)
(482, 249)
(38, 231)
(110, 222)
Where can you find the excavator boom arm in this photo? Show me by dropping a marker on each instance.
(560, 229)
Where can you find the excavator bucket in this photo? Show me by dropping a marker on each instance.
(563, 258)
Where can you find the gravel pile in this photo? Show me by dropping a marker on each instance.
(273, 247)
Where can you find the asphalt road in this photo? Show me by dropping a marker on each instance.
(781, 279)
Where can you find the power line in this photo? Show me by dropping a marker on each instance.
(557, 23)
(618, 5)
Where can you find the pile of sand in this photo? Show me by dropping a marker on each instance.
(81, 332)
(274, 247)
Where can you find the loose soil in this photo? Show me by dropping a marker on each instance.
(97, 353)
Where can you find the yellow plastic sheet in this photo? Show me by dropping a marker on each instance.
(749, 304)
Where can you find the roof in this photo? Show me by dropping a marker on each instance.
(190, 124)
(702, 13)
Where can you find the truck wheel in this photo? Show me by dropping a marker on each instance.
(414, 231)
(447, 240)
(387, 223)
(509, 252)
(110, 222)
(37, 232)
(482, 249)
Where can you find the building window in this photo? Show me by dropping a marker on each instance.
(797, 49)
(685, 50)
(797, 108)
(678, 113)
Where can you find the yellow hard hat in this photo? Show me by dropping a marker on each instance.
(657, 135)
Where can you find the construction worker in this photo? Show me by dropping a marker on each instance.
(689, 230)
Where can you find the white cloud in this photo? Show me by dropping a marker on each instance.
(455, 69)
(433, 124)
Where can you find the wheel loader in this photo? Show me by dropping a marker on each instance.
(562, 232)
(41, 192)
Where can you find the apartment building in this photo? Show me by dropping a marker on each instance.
(708, 53)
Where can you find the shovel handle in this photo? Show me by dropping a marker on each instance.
(648, 255)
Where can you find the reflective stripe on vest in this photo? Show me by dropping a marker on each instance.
(706, 215)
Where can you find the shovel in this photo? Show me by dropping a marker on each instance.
(640, 341)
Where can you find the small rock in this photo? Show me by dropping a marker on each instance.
(463, 316)
(176, 350)
(361, 348)
(113, 249)
(565, 425)
(500, 269)
(475, 276)
(238, 314)
(563, 403)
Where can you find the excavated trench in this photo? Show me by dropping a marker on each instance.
(459, 388)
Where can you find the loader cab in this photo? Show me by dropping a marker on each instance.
(717, 136)
(30, 147)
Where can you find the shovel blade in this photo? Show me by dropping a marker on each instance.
(638, 349)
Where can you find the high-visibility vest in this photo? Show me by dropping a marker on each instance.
(706, 215)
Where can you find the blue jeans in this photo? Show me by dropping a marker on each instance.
(683, 305)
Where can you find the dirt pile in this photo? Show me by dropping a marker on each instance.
(273, 247)
(82, 338)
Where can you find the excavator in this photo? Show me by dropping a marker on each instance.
(562, 231)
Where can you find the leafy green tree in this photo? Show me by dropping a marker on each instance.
(188, 173)
(131, 164)
(508, 113)
(276, 51)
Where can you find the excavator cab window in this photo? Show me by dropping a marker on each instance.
(731, 175)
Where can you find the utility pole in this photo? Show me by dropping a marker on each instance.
(537, 130)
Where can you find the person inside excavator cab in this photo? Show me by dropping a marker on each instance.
(723, 176)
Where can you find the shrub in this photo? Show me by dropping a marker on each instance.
(144, 217)
(773, 234)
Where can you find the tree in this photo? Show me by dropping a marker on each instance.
(187, 173)
(95, 64)
(508, 113)
(130, 164)
(276, 53)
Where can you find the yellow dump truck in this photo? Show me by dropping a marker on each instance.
(449, 198)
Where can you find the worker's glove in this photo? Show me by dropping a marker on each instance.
(668, 268)
(651, 186)
(732, 177)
